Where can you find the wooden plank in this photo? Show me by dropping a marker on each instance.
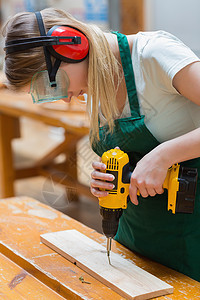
(16, 283)
(122, 276)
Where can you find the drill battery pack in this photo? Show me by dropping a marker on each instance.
(187, 190)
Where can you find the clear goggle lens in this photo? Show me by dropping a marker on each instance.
(42, 90)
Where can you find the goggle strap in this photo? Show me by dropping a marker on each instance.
(52, 76)
(46, 52)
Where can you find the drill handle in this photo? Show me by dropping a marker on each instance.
(172, 177)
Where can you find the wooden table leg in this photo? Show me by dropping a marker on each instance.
(71, 163)
(7, 171)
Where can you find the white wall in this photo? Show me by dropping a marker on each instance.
(179, 17)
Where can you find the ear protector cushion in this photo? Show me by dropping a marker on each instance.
(69, 53)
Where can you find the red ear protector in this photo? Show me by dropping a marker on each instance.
(70, 53)
(64, 42)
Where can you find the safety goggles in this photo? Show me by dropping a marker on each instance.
(43, 90)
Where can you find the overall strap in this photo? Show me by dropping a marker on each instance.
(126, 60)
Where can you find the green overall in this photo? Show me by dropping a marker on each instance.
(149, 229)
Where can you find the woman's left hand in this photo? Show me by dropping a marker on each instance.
(149, 175)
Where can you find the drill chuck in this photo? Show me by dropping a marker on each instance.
(110, 220)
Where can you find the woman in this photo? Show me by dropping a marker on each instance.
(143, 96)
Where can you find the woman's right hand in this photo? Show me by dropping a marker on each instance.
(97, 180)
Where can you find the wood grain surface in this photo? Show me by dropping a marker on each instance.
(23, 220)
(122, 275)
(16, 283)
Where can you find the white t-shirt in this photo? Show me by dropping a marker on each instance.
(157, 56)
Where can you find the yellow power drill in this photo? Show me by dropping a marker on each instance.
(180, 182)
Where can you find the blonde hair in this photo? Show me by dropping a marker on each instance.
(103, 67)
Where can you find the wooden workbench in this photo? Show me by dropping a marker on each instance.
(31, 270)
(13, 106)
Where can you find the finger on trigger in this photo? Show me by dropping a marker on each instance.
(98, 165)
